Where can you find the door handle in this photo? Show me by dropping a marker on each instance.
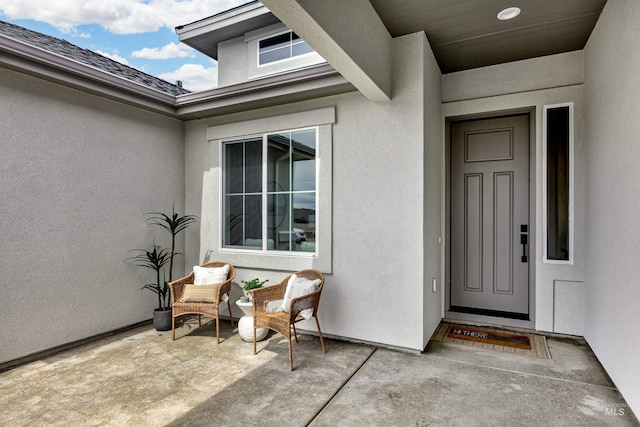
(523, 241)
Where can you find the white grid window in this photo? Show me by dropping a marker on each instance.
(272, 177)
(282, 46)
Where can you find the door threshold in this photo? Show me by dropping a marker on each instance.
(481, 320)
(491, 313)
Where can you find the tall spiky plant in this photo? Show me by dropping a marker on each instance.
(155, 260)
(173, 224)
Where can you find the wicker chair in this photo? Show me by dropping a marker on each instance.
(200, 308)
(281, 321)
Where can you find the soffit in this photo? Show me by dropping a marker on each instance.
(465, 34)
(204, 35)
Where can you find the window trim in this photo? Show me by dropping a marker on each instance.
(545, 258)
(211, 222)
(255, 70)
(265, 194)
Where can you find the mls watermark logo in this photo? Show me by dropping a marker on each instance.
(614, 409)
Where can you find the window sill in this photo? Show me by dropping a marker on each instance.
(272, 260)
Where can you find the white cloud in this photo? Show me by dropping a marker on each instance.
(117, 16)
(171, 50)
(114, 56)
(194, 77)
(76, 34)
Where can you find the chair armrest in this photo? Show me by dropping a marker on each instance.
(261, 296)
(304, 302)
(224, 288)
(177, 286)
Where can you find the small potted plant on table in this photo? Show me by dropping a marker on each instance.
(249, 285)
(245, 324)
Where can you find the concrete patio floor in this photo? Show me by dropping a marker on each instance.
(142, 378)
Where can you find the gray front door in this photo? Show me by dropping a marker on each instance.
(490, 216)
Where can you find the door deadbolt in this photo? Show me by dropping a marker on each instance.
(523, 241)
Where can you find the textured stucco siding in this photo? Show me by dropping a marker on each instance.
(233, 65)
(612, 61)
(434, 196)
(77, 174)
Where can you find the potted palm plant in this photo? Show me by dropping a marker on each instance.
(155, 259)
(174, 224)
(158, 257)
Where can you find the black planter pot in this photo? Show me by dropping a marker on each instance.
(162, 319)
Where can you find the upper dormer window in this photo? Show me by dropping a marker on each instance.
(282, 46)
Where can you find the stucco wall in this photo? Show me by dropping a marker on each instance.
(612, 61)
(77, 174)
(562, 83)
(565, 69)
(373, 293)
(233, 67)
(433, 199)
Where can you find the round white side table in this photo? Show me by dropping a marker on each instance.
(245, 324)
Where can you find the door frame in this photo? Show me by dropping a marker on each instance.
(475, 318)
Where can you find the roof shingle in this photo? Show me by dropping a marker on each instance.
(87, 57)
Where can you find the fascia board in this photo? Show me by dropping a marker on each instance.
(217, 22)
(53, 67)
(313, 72)
(290, 87)
(205, 35)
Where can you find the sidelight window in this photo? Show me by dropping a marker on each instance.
(558, 134)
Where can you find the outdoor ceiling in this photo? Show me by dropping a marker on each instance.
(466, 34)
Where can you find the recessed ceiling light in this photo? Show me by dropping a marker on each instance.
(508, 13)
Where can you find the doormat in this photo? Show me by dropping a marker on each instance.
(494, 339)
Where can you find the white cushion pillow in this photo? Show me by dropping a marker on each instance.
(210, 276)
(297, 287)
(201, 293)
(273, 306)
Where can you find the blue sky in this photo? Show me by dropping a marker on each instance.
(138, 33)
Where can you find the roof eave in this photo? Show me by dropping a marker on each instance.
(204, 35)
(35, 61)
(295, 86)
